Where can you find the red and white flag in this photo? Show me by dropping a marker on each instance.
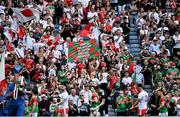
(52, 41)
(21, 32)
(10, 35)
(26, 14)
(2, 66)
(9, 47)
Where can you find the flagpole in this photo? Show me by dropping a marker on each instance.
(2, 64)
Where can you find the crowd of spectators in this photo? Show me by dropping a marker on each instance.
(47, 84)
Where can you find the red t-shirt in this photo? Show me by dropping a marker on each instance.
(80, 67)
(29, 63)
(33, 101)
(113, 80)
(131, 68)
(3, 86)
(37, 74)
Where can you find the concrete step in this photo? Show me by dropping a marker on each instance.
(111, 111)
(128, 45)
(133, 41)
(133, 37)
(135, 50)
(132, 25)
(133, 29)
(147, 86)
(135, 54)
(148, 90)
(137, 58)
(132, 33)
(135, 45)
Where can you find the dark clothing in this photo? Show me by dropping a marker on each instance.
(126, 31)
(121, 113)
(147, 74)
(44, 104)
(171, 111)
(73, 111)
(103, 95)
(58, 13)
(84, 110)
(155, 101)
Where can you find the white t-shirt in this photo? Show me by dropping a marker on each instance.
(104, 77)
(140, 22)
(117, 40)
(96, 80)
(57, 54)
(143, 97)
(117, 28)
(2, 9)
(176, 38)
(163, 29)
(64, 96)
(52, 72)
(127, 80)
(75, 99)
(29, 42)
(71, 65)
(155, 15)
(143, 32)
(87, 96)
(84, 3)
(91, 16)
(178, 109)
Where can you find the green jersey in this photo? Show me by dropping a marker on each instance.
(95, 97)
(164, 60)
(26, 111)
(121, 104)
(62, 77)
(130, 99)
(33, 101)
(164, 109)
(54, 107)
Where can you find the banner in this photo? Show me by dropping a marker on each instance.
(2, 66)
(83, 50)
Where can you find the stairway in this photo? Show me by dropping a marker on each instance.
(134, 43)
(111, 111)
(148, 89)
(135, 49)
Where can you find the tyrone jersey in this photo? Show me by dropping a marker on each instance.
(143, 97)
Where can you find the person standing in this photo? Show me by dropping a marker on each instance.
(121, 104)
(163, 109)
(63, 107)
(154, 102)
(34, 103)
(142, 101)
(73, 110)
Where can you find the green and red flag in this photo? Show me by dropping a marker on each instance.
(83, 50)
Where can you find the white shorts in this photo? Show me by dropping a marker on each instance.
(163, 114)
(34, 114)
